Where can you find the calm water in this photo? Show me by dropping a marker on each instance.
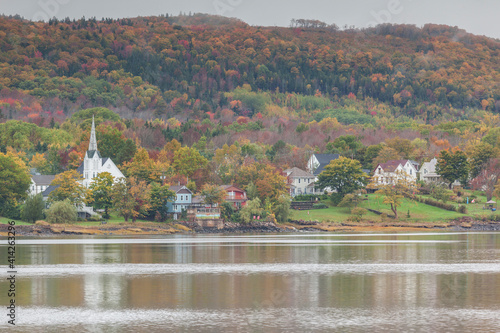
(429, 282)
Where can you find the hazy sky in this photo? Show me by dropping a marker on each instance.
(480, 17)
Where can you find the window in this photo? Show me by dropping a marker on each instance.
(411, 171)
(299, 180)
(182, 197)
(379, 171)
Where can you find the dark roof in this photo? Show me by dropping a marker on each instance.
(324, 160)
(104, 160)
(80, 169)
(49, 189)
(91, 153)
(43, 179)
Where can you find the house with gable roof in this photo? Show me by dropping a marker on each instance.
(182, 200)
(317, 162)
(234, 195)
(40, 183)
(300, 181)
(388, 173)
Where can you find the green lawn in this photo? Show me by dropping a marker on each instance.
(419, 212)
(4, 220)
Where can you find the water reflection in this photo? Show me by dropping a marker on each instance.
(317, 283)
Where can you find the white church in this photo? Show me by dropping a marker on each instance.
(93, 164)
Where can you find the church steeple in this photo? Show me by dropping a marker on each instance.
(93, 141)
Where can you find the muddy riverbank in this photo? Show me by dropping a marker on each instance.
(43, 229)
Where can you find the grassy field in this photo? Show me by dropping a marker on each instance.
(418, 212)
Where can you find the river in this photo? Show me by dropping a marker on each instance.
(415, 282)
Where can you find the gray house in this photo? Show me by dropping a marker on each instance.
(182, 200)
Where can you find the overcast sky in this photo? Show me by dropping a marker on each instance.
(480, 17)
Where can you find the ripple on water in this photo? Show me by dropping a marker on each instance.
(42, 319)
(65, 270)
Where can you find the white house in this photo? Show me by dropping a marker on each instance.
(300, 181)
(40, 183)
(317, 162)
(429, 175)
(428, 172)
(388, 173)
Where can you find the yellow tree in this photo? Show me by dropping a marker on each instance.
(393, 194)
(39, 162)
(14, 180)
(69, 186)
(145, 168)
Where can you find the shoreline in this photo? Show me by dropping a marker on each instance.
(44, 229)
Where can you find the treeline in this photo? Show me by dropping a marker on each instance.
(163, 65)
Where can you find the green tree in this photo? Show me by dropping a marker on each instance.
(213, 194)
(188, 160)
(14, 181)
(281, 208)
(159, 197)
(343, 176)
(479, 155)
(131, 198)
(33, 208)
(69, 187)
(62, 212)
(346, 145)
(251, 209)
(99, 194)
(452, 166)
(252, 191)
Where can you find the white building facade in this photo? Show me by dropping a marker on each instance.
(388, 173)
(93, 164)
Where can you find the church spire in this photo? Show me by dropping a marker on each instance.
(93, 141)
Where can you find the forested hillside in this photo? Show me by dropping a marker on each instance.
(168, 66)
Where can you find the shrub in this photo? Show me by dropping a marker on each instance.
(10, 209)
(462, 209)
(438, 204)
(358, 211)
(94, 218)
(320, 206)
(33, 210)
(335, 198)
(62, 212)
